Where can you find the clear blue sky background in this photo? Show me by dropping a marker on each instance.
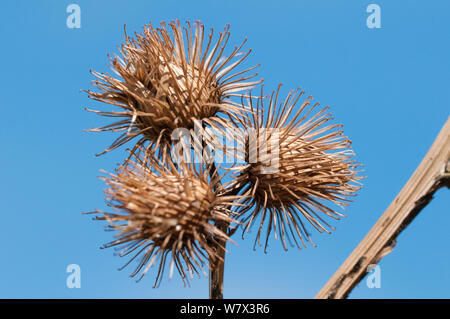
(388, 86)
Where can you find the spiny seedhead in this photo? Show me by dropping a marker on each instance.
(166, 211)
(167, 80)
(296, 164)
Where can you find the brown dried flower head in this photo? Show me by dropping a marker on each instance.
(296, 164)
(169, 80)
(164, 212)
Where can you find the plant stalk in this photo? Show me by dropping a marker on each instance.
(217, 265)
(217, 268)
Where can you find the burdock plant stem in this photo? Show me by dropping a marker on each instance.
(217, 265)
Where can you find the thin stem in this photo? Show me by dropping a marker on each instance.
(216, 272)
(217, 265)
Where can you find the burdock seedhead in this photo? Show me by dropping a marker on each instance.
(169, 212)
(296, 164)
(164, 215)
(167, 79)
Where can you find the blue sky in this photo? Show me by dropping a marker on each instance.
(388, 86)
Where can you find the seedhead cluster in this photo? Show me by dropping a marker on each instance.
(171, 213)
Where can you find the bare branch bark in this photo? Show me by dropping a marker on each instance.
(432, 174)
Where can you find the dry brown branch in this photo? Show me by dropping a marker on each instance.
(432, 174)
